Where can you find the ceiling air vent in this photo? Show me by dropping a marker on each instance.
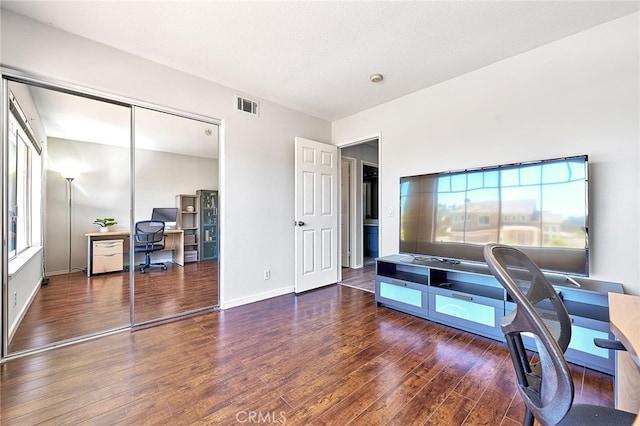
(246, 105)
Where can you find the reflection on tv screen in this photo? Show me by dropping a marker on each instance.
(539, 206)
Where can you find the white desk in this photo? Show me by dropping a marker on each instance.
(174, 241)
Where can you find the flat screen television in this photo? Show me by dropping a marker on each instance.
(539, 207)
(168, 215)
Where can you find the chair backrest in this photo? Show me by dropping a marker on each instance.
(546, 388)
(149, 231)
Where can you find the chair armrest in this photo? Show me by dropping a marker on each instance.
(614, 345)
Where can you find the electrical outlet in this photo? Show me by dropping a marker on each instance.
(267, 274)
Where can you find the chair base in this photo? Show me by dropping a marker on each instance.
(147, 264)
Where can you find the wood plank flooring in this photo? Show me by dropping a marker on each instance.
(361, 278)
(325, 357)
(160, 294)
(74, 305)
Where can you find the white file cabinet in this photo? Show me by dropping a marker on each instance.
(107, 256)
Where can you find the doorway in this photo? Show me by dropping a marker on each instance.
(369, 213)
(360, 201)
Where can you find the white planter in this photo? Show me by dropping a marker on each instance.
(104, 229)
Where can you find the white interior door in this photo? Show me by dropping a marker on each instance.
(316, 216)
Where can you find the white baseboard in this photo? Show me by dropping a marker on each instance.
(227, 304)
(14, 327)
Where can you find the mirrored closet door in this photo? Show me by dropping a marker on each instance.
(81, 171)
(72, 167)
(176, 182)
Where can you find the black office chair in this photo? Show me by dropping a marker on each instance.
(545, 386)
(150, 237)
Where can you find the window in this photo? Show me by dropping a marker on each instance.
(23, 184)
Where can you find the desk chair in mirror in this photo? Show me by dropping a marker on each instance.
(544, 380)
(149, 238)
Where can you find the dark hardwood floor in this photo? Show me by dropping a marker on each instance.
(160, 294)
(361, 278)
(74, 305)
(328, 356)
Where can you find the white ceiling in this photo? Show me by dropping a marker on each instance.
(316, 56)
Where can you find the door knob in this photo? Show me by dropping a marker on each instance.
(299, 223)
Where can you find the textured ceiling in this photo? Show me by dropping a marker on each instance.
(316, 56)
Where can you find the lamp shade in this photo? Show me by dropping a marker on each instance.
(70, 173)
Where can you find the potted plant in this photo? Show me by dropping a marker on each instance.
(105, 223)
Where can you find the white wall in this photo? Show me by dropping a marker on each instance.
(23, 285)
(257, 162)
(579, 95)
(160, 176)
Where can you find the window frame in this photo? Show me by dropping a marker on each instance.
(21, 216)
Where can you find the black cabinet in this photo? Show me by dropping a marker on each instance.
(208, 241)
(468, 297)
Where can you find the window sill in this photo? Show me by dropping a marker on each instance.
(18, 262)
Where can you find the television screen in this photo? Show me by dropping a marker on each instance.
(540, 207)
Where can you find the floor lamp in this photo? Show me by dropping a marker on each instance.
(69, 176)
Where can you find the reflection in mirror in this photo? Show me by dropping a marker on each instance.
(85, 176)
(176, 166)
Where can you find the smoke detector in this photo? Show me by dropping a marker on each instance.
(376, 78)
